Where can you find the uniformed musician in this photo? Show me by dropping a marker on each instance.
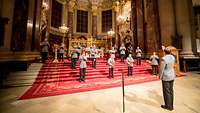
(122, 52)
(154, 63)
(111, 62)
(93, 52)
(130, 61)
(138, 55)
(83, 66)
(74, 57)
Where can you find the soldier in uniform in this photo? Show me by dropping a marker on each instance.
(74, 57)
(130, 61)
(111, 62)
(122, 52)
(82, 60)
(167, 75)
(93, 52)
(138, 55)
(154, 63)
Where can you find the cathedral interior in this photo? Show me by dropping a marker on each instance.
(148, 24)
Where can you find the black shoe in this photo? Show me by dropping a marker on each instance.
(167, 108)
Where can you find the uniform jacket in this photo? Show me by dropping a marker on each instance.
(62, 50)
(93, 52)
(83, 60)
(111, 62)
(138, 53)
(130, 61)
(45, 46)
(122, 50)
(167, 68)
(154, 59)
(74, 54)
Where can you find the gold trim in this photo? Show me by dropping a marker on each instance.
(18, 56)
(55, 31)
(63, 2)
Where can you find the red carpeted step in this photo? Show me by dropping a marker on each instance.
(59, 78)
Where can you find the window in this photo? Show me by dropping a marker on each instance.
(82, 21)
(106, 20)
(56, 15)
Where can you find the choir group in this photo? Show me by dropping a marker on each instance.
(82, 55)
(78, 54)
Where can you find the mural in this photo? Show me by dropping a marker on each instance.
(19, 28)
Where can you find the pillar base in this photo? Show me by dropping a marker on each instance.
(187, 55)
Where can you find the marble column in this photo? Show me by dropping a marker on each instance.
(134, 22)
(151, 27)
(167, 22)
(36, 40)
(70, 17)
(94, 22)
(90, 28)
(115, 27)
(64, 13)
(184, 26)
(140, 31)
(30, 26)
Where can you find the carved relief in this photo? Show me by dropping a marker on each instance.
(44, 20)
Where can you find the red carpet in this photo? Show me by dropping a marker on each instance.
(56, 79)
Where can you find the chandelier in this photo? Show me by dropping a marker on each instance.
(110, 33)
(63, 28)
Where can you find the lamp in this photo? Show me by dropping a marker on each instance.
(64, 30)
(110, 34)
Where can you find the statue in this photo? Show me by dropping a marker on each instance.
(56, 53)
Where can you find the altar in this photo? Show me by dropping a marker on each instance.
(85, 43)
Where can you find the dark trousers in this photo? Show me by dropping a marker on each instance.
(130, 70)
(111, 73)
(82, 74)
(94, 62)
(44, 56)
(74, 63)
(168, 93)
(62, 56)
(138, 60)
(154, 69)
(122, 57)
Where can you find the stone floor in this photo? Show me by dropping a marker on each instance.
(140, 98)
